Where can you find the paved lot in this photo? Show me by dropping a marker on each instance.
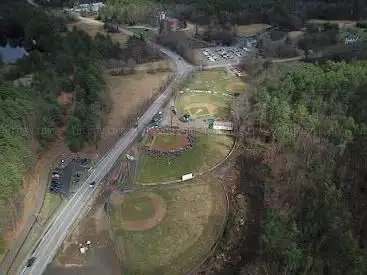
(223, 55)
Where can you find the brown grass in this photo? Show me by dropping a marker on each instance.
(126, 94)
(252, 29)
(97, 27)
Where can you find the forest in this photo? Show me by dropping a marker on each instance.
(311, 195)
(31, 116)
(287, 14)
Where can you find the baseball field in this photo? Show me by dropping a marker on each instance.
(168, 229)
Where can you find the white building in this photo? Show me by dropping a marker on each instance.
(223, 125)
(93, 7)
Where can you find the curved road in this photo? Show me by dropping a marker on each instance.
(63, 220)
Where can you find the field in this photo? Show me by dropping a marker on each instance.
(250, 30)
(94, 27)
(207, 151)
(134, 206)
(191, 225)
(168, 141)
(201, 105)
(215, 81)
(127, 93)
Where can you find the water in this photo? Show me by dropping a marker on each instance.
(10, 55)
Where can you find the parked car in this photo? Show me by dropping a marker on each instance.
(92, 184)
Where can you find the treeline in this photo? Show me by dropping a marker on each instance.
(313, 121)
(60, 61)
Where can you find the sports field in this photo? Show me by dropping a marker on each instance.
(207, 151)
(167, 141)
(201, 105)
(216, 81)
(194, 218)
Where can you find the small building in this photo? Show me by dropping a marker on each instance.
(223, 125)
(351, 38)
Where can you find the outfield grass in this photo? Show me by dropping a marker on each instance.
(193, 222)
(168, 141)
(207, 151)
(215, 81)
(134, 206)
(188, 102)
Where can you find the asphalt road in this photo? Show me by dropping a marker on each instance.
(63, 220)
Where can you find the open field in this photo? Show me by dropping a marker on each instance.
(201, 105)
(207, 151)
(167, 141)
(216, 81)
(251, 29)
(127, 93)
(97, 27)
(193, 221)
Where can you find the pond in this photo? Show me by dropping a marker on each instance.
(10, 55)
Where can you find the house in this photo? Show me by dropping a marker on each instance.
(223, 125)
(351, 38)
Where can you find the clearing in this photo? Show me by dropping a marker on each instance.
(200, 105)
(94, 27)
(194, 220)
(127, 94)
(215, 81)
(251, 29)
(206, 152)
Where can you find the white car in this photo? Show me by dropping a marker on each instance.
(211, 59)
(206, 53)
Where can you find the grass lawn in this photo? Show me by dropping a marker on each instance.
(50, 205)
(213, 80)
(193, 222)
(134, 206)
(168, 141)
(207, 151)
(218, 106)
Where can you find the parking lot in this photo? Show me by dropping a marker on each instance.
(67, 174)
(223, 55)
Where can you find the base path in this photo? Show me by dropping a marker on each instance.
(160, 209)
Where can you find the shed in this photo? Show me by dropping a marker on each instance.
(223, 125)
